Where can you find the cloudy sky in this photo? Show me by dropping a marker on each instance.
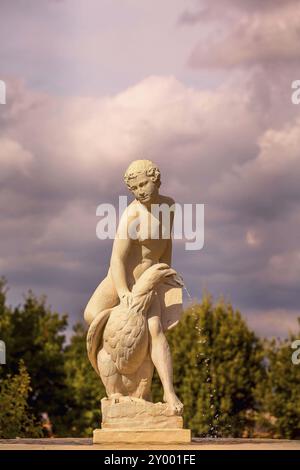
(202, 87)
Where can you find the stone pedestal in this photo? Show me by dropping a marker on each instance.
(133, 420)
(141, 436)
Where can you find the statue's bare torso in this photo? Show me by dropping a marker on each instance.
(144, 252)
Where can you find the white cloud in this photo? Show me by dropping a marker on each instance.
(14, 159)
(271, 180)
(252, 238)
(250, 33)
(213, 147)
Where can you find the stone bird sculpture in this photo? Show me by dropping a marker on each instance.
(118, 338)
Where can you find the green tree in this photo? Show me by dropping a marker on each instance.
(217, 364)
(84, 386)
(16, 419)
(33, 333)
(230, 381)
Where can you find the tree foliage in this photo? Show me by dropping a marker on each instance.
(16, 419)
(231, 382)
(34, 334)
(280, 391)
(217, 364)
(84, 386)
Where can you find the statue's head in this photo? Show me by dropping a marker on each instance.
(142, 178)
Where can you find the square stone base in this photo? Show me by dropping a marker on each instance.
(140, 436)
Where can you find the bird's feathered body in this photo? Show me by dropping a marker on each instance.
(118, 339)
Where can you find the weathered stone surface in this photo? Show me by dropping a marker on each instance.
(141, 436)
(129, 312)
(129, 412)
(140, 298)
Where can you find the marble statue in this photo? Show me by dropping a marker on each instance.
(140, 298)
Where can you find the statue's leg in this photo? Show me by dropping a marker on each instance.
(161, 356)
(105, 296)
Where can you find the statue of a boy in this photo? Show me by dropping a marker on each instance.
(130, 310)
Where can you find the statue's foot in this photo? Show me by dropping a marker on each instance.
(174, 403)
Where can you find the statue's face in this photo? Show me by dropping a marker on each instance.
(144, 189)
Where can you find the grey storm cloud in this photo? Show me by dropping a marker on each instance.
(232, 147)
(69, 155)
(243, 33)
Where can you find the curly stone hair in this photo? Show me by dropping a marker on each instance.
(139, 167)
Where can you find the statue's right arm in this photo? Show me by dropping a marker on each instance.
(120, 252)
